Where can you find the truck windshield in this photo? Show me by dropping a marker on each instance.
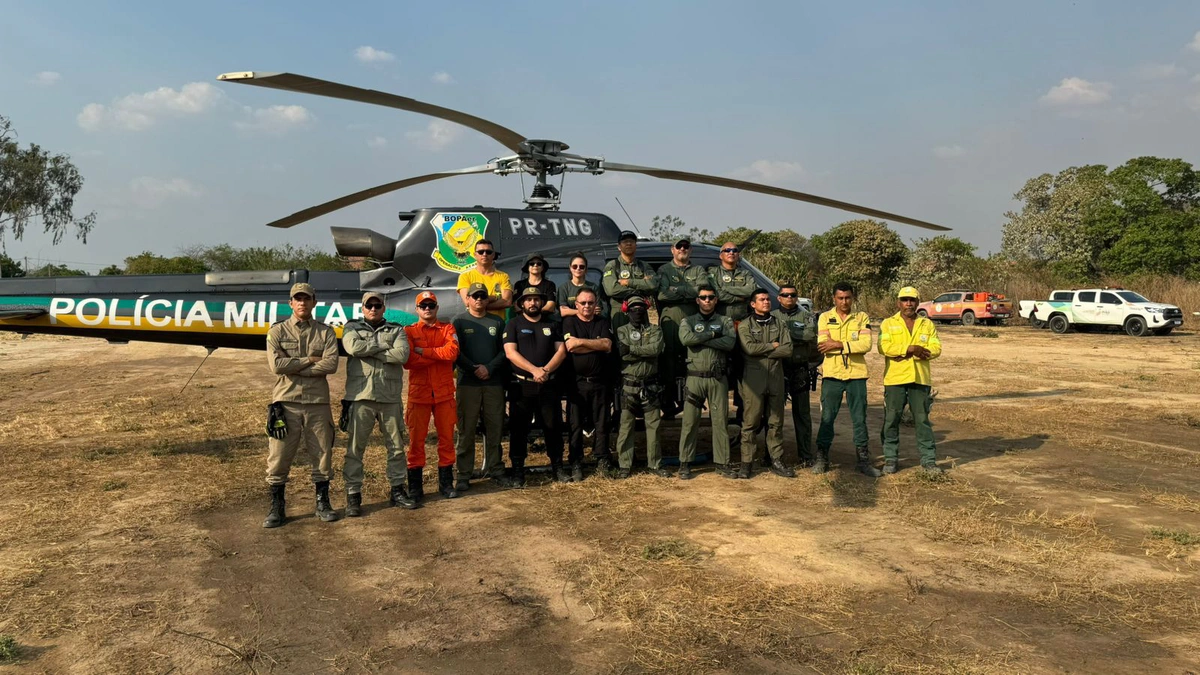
(1130, 296)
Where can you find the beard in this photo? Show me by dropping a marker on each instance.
(533, 312)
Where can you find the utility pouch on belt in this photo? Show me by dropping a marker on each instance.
(344, 419)
(276, 423)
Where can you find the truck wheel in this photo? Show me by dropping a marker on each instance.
(923, 314)
(1135, 326)
(1165, 330)
(1059, 324)
(1037, 323)
(968, 318)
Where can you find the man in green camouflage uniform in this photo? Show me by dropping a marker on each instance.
(766, 343)
(799, 371)
(640, 343)
(626, 276)
(708, 338)
(734, 285)
(677, 284)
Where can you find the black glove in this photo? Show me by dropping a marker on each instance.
(344, 419)
(276, 423)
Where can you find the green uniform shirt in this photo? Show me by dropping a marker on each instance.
(708, 340)
(645, 344)
(480, 342)
(641, 280)
(764, 361)
(679, 285)
(734, 288)
(802, 325)
(375, 369)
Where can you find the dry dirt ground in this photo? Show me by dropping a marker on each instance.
(1064, 539)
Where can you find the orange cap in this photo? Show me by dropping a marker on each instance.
(426, 295)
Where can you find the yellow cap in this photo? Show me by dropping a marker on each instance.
(908, 292)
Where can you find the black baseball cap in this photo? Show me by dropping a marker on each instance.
(627, 234)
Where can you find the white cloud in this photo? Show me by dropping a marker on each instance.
(1159, 71)
(436, 136)
(371, 55)
(1194, 45)
(769, 171)
(377, 142)
(949, 151)
(150, 193)
(137, 112)
(277, 119)
(442, 77)
(1078, 91)
(46, 78)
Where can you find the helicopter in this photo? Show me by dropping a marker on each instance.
(234, 309)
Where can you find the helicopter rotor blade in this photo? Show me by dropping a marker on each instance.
(310, 85)
(670, 174)
(363, 195)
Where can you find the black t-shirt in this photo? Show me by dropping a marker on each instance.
(546, 286)
(590, 364)
(535, 341)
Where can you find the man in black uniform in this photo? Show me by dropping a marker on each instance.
(589, 341)
(534, 347)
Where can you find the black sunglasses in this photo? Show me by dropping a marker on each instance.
(373, 305)
(480, 296)
(731, 249)
(485, 251)
(585, 303)
(428, 305)
(683, 246)
(579, 267)
(706, 298)
(787, 295)
(537, 263)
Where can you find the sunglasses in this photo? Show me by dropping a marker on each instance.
(484, 251)
(537, 264)
(683, 247)
(428, 305)
(579, 267)
(787, 295)
(585, 303)
(706, 298)
(731, 249)
(373, 305)
(480, 296)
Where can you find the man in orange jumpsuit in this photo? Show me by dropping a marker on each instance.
(434, 347)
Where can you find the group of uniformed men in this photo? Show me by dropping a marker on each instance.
(716, 329)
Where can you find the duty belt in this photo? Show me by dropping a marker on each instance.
(705, 373)
(523, 378)
(590, 378)
(638, 382)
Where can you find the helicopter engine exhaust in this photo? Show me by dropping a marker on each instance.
(361, 242)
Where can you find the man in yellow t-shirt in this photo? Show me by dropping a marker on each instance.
(499, 286)
(908, 343)
(843, 339)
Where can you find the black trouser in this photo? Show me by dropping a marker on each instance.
(798, 387)
(528, 399)
(588, 401)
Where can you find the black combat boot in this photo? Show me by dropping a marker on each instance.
(623, 473)
(416, 485)
(746, 470)
(276, 515)
(324, 509)
(463, 483)
(890, 466)
(399, 497)
(782, 470)
(559, 472)
(864, 464)
(577, 472)
(604, 467)
(353, 504)
(446, 482)
(685, 471)
(821, 463)
(661, 472)
(518, 476)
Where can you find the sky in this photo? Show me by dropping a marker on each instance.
(935, 110)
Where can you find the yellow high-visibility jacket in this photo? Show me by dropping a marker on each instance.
(894, 341)
(855, 335)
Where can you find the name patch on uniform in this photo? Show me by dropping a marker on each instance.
(526, 331)
(469, 331)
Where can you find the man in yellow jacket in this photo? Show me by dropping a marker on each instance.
(908, 343)
(843, 339)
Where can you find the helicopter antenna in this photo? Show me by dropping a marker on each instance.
(639, 231)
(207, 353)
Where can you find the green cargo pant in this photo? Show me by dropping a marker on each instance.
(916, 397)
(474, 402)
(831, 401)
(697, 390)
(310, 425)
(363, 415)
(651, 414)
(757, 406)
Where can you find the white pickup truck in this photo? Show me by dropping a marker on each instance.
(1101, 308)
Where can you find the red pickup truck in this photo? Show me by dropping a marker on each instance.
(969, 307)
